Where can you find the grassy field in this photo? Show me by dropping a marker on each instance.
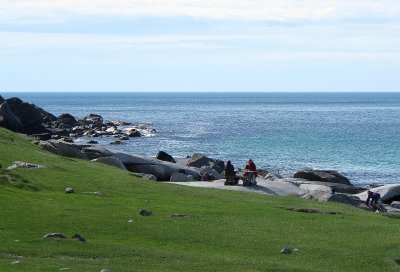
(222, 230)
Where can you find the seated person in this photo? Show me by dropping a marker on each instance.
(230, 174)
(250, 173)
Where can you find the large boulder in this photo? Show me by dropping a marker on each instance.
(133, 132)
(324, 194)
(9, 119)
(178, 177)
(149, 168)
(93, 119)
(64, 148)
(113, 161)
(389, 193)
(211, 171)
(338, 187)
(30, 115)
(323, 176)
(141, 164)
(66, 119)
(198, 160)
(163, 156)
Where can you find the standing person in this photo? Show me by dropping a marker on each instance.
(250, 172)
(230, 174)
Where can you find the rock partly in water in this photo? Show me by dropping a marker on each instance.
(93, 119)
(117, 142)
(133, 133)
(66, 119)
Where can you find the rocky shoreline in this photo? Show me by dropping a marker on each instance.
(57, 135)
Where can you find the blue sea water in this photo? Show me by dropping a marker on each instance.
(354, 133)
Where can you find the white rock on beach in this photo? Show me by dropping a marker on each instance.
(387, 192)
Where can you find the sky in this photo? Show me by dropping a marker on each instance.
(200, 45)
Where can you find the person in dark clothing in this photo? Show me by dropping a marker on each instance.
(230, 174)
(250, 173)
(375, 201)
(374, 197)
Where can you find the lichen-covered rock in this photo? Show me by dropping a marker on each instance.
(54, 236)
(20, 164)
(69, 190)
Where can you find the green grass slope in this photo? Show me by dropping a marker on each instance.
(224, 230)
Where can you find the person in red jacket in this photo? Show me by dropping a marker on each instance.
(250, 173)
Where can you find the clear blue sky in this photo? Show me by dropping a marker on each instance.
(199, 45)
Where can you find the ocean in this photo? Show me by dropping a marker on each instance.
(356, 134)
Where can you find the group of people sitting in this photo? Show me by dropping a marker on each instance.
(249, 177)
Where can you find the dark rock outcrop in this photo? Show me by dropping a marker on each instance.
(66, 119)
(30, 115)
(163, 156)
(9, 120)
(323, 176)
(133, 133)
(93, 119)
(1, 99)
